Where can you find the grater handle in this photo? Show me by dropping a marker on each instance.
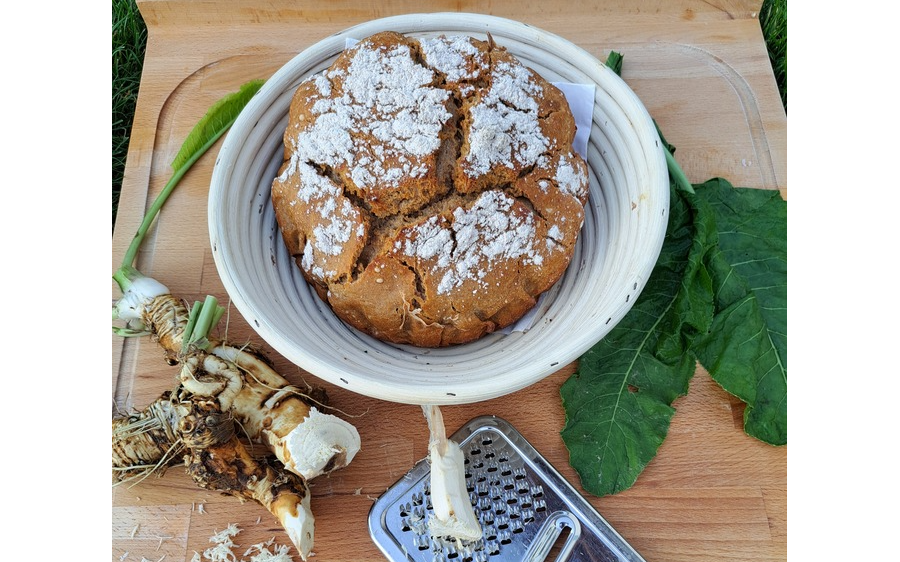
(549, 535)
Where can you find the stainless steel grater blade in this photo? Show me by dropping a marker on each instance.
(527, 510)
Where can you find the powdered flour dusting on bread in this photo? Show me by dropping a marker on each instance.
(505, 126)
(454, 57)
(429, 191)
(337, 218)
(387, 96)
(481, 236)
(570, 180)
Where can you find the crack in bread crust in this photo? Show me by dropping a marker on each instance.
(463, 238)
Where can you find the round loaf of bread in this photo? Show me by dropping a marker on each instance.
(429, 190)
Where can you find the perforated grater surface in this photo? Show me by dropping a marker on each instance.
(528, 512)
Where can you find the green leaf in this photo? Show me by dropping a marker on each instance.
(618, 402)
(669, 147)
(614, 61)
(745, 350)
(129, 333)
(718, 293)
(217, 120)
(211, 126)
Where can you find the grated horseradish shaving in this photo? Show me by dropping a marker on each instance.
(261, 553)
(162, 539)
(267, 551)
(221, 552)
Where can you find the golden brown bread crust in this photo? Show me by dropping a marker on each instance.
(429, 190)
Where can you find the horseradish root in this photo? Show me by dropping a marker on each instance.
(270, 409)
(148, 441)
(224, 464)
(184, 428)
(219, 386)
(453, 515)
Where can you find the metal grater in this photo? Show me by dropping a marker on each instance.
(528, 512)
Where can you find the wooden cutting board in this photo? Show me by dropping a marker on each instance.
(712, 493)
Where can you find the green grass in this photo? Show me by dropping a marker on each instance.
(773, 19)
(129, 40)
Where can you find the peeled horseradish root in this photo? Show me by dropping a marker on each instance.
(452, 513)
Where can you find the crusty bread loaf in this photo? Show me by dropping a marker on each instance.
(429, 190)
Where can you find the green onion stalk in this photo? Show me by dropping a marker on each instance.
(138, 290)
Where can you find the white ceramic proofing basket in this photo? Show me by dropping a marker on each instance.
(619, 244)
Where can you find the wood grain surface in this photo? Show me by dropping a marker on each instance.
(711, 494)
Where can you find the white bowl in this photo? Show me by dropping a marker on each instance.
(625, 221)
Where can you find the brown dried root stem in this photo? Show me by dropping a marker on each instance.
(147, 442)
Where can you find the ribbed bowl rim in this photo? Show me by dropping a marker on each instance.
(625, 222)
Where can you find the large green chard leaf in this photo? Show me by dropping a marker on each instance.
(745, 350)
(718, 294)
(618, 403)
